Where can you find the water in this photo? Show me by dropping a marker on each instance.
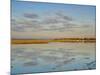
(33, 58)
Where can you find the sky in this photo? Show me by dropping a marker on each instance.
(37, 20)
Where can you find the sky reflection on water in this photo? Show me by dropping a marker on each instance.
(35, 58)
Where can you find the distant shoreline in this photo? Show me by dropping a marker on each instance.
(61, 40)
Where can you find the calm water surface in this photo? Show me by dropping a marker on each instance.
(33, 58)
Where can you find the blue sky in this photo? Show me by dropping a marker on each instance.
(77, 11)
(31, 13)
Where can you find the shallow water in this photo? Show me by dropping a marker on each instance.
(33, 58)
